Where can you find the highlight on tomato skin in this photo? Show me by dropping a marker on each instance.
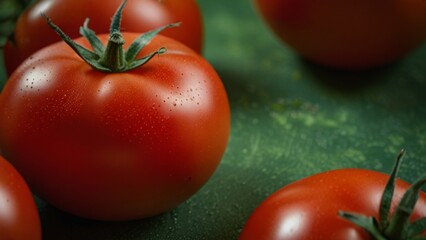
(32, 32)
(352, 34)
(19, 218)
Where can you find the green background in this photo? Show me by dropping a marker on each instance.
(290, 119)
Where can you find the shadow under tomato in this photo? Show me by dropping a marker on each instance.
(57, 224)
(347, 81)
(218, 211)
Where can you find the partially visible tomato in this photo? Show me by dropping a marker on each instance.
(32, 32)
(308, 209)
(19, 218)
(350, 34)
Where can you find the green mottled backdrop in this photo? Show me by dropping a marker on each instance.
(290, 119)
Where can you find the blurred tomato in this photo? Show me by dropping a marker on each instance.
(350, 34)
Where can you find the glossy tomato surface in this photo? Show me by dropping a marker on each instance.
(351, 34)
(19, 218)
(115, 146)
(308, 209)
(33, 33)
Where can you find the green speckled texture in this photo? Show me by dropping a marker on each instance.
(290, 119)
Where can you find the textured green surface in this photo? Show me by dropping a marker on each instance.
(290, 119)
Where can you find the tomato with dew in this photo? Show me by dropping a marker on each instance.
(32, 32)
(119, 145)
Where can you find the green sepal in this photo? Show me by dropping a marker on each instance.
(90, 35)
(386, 201)
(88, 56)
(112, 58)
(144, 39)
(116, 20)
(417, 227)
(141, 61)
(369, 224)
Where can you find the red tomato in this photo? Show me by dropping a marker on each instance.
(19, 219)
(308, 209)
(115, 146)
(350, 34)
(32, 32)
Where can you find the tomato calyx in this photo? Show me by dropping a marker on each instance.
(397, 226)
(112, 58)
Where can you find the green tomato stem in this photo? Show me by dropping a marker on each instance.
(113, 57)
(387, 196)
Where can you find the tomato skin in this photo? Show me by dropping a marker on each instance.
(308, 209)
(32, 31)
(115, 146)
(19, 218)
(350, 34)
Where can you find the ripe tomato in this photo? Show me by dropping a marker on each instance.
(115, 146)
(19, 219)
(308, 209)
(350, 34)
(32, 32)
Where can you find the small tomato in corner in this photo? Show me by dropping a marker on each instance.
(32, 32)
(107, 138)
(350, 34)
(309, 208)
(19, 218)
